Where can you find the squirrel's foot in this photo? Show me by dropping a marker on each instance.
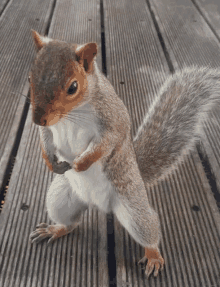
(53, 232)
(154, 260)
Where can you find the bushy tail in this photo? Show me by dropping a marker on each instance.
(175, 120)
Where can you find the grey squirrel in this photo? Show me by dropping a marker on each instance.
(85, 134)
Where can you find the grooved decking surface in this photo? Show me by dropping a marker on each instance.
(144, 41)
(16, 54)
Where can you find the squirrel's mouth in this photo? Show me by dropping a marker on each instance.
(46, 119)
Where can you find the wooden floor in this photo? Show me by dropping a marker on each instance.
(141, 42)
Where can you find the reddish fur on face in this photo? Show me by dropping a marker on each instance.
(63, 102)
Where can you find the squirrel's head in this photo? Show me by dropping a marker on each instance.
(58, 78)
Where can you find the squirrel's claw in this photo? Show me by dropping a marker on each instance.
(39, 237)
(40, 233)
(53, 232)
(143, 260)
(51, 240)
(42, 225)
(155, 265)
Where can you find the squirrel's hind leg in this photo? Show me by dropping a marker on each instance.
(64, 208)
(142, 223)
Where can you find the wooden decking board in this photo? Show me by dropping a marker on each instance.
(3, 6)
(186, 33)
(11, 137)
(69, 28)
(19, 222)
(133, 59)
(211, 145)
(210, 9)
(16, 52)
(184, 242)
(79, 259)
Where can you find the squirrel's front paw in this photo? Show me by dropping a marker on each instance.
(81, 164)
(154, 260)
(44, 230)
(61, 167)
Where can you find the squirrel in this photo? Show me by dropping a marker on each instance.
(85, 135)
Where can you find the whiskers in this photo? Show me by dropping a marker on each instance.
(82, 118)
(16, 93)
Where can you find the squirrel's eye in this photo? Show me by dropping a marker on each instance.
(73, 88)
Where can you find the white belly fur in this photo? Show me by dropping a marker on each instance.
(92, 185)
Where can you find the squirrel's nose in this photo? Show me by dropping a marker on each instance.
(39, 116)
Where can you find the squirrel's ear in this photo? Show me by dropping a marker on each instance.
(39, 40)
(85, 55)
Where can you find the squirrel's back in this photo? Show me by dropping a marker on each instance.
(175, 119)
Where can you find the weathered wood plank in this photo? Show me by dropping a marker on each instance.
(79, 259)
(210, 9)
(186, 34)
(211, 146)
(211, 13)
(135, 59)
(16, 53)
(134, 56)
(3, 5)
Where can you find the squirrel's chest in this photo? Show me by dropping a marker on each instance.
(71, 139)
